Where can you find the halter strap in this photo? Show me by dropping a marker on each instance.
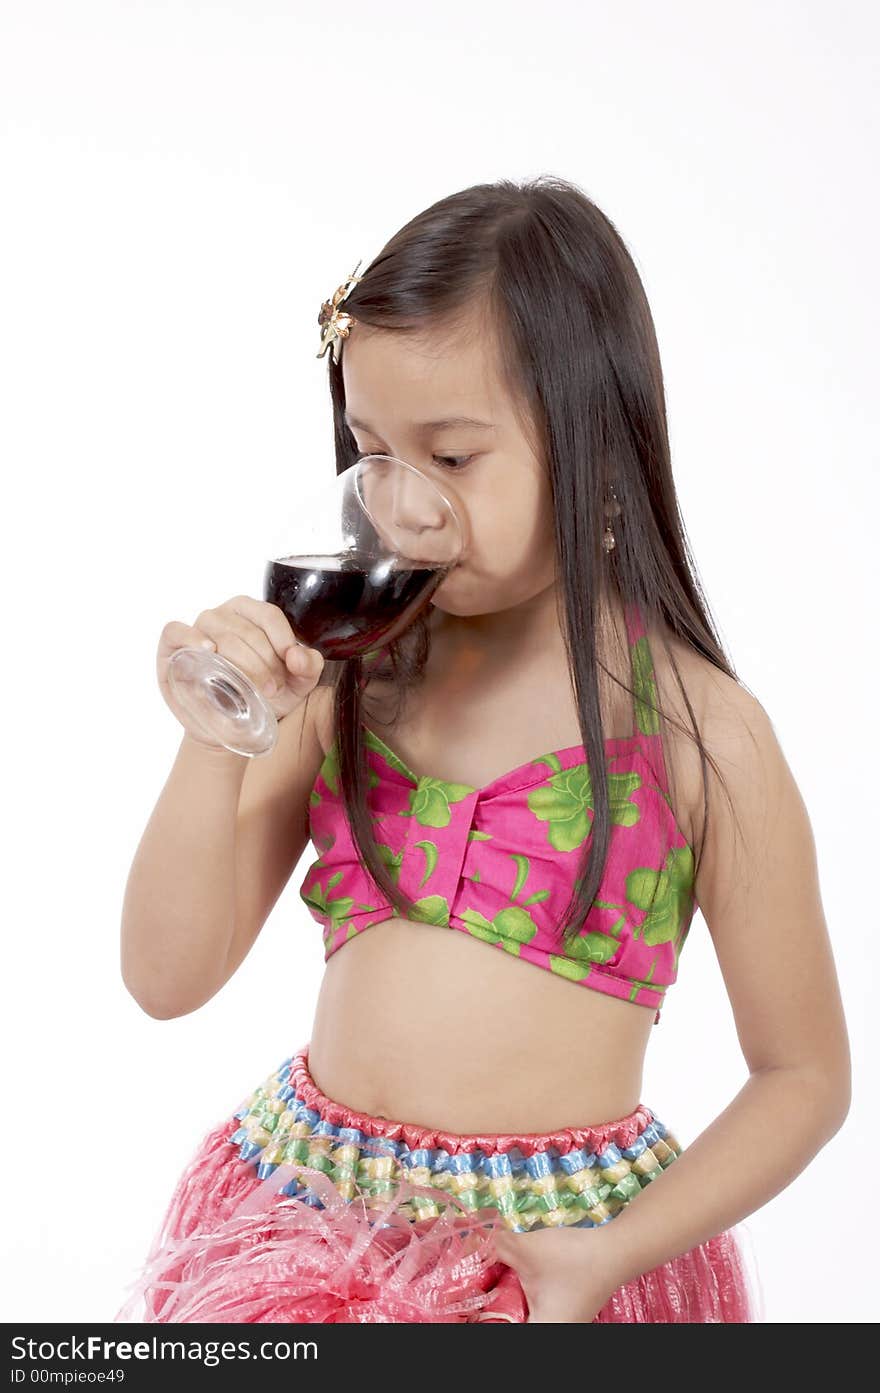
(646, 721)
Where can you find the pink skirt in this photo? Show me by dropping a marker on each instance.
(300, 1209)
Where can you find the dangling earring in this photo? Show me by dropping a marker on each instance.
(612, 510)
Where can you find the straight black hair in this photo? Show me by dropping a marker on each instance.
(579, 347)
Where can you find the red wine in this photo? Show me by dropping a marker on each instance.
(344, 609)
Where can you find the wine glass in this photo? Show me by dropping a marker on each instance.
(359, 560)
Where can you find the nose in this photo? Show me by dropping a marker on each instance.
(423, 526)
(414, 507)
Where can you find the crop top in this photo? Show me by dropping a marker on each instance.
(499, 862)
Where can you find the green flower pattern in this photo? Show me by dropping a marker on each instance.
(512, 926)
(334, 909)
(645, 688)
(566, 798)
(666, 895)
(430, 803)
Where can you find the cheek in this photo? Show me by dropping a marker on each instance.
(514, 528)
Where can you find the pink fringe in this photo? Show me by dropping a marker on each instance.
(230, 1249)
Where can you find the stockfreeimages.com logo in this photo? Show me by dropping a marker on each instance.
(94, 1349)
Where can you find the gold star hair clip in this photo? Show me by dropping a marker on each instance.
(335, 326)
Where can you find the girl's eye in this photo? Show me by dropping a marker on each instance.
(452, 461)
(455, 461)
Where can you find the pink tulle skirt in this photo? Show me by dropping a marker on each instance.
(300, 1209)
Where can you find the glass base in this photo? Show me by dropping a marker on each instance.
(218, 703)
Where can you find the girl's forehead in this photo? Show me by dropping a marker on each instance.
(414, 377)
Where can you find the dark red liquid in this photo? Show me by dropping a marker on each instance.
(344, 609)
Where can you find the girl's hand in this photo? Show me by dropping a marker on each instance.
(564, 1272)
(254, 635)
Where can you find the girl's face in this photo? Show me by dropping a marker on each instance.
(405, 396)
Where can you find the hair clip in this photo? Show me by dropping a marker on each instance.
(335, 325)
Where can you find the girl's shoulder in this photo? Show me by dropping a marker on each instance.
(731, 721)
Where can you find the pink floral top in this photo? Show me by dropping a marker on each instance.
(499, 862)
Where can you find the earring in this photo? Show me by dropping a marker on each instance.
(612, 510)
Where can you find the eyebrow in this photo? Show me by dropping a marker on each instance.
(426, 426)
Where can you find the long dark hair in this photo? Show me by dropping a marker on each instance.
(579, 346)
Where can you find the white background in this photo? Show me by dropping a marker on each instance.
(183, 184)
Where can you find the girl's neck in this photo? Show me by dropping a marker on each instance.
(530, 626)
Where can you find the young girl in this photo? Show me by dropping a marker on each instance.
(516, 809)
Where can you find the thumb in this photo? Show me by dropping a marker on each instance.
(302, 663)
(507, 1245)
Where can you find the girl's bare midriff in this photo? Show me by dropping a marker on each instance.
(425, 1024)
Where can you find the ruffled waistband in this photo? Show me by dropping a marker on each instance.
(621, 1132)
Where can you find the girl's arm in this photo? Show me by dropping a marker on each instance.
(758, 890)
(222, 842)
